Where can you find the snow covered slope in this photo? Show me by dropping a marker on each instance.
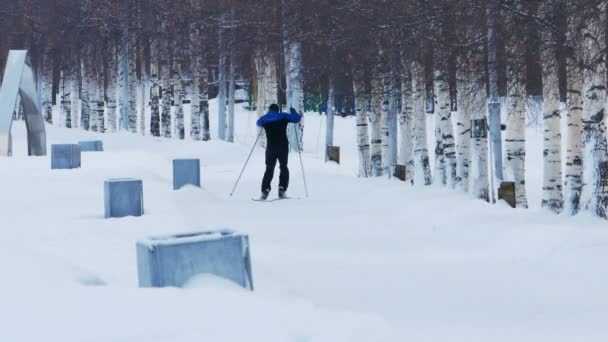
(360, 260)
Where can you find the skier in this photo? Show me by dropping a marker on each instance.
(277, 147)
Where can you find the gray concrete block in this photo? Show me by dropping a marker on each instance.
(91, 146)
(123, 197)
(186, 172)
(65, 156)
(173, 260)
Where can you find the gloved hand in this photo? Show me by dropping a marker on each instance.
(293, 111)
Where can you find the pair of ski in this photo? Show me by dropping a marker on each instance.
(272, 199)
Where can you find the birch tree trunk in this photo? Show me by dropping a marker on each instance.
(196, 59)
(574, 152)
(231, 91)
(73, 120)
(66, 101)
(515, 136)
(260, 86)
(552, 168)
(594, 108)
(405, 119)
(463, 127)
(296, 93)
(166, 91)
(221, 97)
(375, 123)
(132, 83)
(204, 98)
(87, 76)
(393, 96)
(445, 154)
(178, 94)
(46, 78)
(385, 124)
(422, 170)
(110, 90)
(271, 81)
(329, 117)
(361, 107)
(155, 89)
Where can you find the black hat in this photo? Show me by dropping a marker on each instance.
(273, 107)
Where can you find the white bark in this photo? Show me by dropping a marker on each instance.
(155, 89)
(296, 93)
(73, 120)
(479, 182)
(361, 105)
(260, 87)
(515, 135)
(573, 184)
(221, 97)
(131, 83)
(178, 96)
(166, 84)
(445, 154)
(463, 128)
(66, 101)
(231, 91)
(405, 119)
(87, 76)
(422, 169)
(594, 109)
(110, 92)
(375, 124)
(329, 117)
(271, 81)
(46, 79)
(552, 168)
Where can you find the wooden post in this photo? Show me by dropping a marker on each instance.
(400, 172)
(507, 192)
(333, 153)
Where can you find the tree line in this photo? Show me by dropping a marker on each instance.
(471, 66)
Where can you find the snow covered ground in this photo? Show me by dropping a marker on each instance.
(360, 260)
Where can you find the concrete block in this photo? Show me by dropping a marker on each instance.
(65, 156)
(123, 197)
(91, 146)
(186, 172)
(173, 260)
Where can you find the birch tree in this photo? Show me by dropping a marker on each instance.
(375, 125)
(594, 107)
(361, 108)
(260, 87)
(422, 170)
(574, 157)
(406, 116)
(221, 97)
(110, 89)
(552, 170)
(445, 162)
(46, 78)
(463, 126)
(515, 139)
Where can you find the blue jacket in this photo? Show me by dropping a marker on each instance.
(275, 125)
(271, 117)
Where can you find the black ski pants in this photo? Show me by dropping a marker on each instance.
(274, 154)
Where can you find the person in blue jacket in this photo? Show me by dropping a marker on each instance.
(277, 146)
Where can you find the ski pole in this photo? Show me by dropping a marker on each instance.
(246, 161)
(295, 127)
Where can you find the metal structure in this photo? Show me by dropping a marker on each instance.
(19, 80)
